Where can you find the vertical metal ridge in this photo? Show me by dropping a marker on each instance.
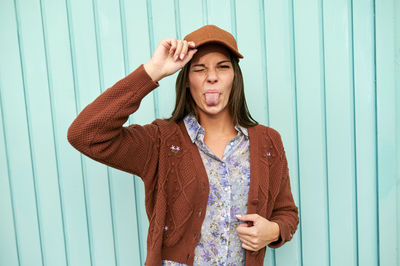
(52, 114)
(296, 110)
(177, 19)
(205, 12)
(322, 25)
(264, 57)
(125, 50)
(233, 18)
(77, 110)
(152, 47)
(113, 225)
(98, 47)
(397, 115)
(10, 186)
(376, 138)
(28, 122)
(101, 80)
(87, 208)
(9, 178)
(354, 132)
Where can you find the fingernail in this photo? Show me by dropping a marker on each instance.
(238, 216)
(175, 57)
(182, 56)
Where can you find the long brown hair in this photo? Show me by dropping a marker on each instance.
(237, 102)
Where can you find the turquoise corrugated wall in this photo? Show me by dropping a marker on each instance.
(324, 73)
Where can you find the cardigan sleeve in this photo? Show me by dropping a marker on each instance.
(98, 130)
(285, 212)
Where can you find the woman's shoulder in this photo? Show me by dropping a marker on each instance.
(270, 134)
(269, 131)
(167, 127)
(164, 123)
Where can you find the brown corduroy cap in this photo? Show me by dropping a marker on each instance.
(213, 34)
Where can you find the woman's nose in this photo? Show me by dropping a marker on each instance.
(212, 76)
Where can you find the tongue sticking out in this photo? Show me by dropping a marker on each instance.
(212, 98)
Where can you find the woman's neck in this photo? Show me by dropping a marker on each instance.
(221, 124)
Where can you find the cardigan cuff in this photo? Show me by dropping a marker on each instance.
(140, 80)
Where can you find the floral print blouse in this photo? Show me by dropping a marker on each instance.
(229, 180)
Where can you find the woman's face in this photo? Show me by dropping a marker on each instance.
(210, 79)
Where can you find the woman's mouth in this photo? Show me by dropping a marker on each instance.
(212, 98)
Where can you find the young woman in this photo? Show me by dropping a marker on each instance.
(217, 184)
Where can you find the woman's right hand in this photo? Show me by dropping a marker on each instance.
(169, 56)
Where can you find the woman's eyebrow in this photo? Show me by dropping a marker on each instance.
(199, 65)
(203, 65)
(225, 61)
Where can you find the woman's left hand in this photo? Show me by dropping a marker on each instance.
(260, 234)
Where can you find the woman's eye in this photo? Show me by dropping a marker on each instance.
(198, 70)
(224, 66)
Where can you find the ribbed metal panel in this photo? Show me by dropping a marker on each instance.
(325, 74)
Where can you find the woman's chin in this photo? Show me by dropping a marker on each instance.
(212, 110)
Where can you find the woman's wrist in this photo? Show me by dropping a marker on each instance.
(277, 232)
(152, 71)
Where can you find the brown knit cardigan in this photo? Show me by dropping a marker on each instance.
(176, 183)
